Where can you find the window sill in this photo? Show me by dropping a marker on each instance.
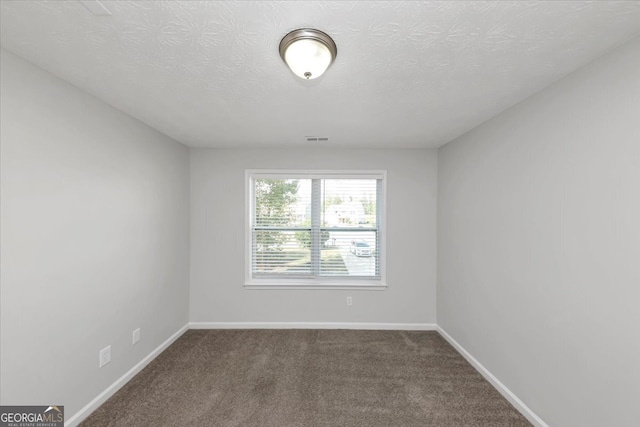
(363, 285)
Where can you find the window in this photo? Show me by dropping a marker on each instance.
(312, 229)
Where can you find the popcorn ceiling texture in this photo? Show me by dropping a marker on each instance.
(408, 74)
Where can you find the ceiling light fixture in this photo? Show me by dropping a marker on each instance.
(308, 52)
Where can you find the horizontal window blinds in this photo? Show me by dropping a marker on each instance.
(316, 226)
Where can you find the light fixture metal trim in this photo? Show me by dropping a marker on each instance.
(308, 34)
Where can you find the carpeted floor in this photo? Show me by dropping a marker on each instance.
(308, 378)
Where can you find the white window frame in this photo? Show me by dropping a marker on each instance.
(378, 283)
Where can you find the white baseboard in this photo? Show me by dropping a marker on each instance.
(117, 385)
(314, 325)
(504, 391)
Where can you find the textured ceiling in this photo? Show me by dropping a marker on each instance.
(408, 74)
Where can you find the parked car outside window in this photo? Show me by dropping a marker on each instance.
(360, 248)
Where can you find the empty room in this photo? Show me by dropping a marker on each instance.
(320, 213)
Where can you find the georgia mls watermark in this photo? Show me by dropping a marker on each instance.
(32, 416)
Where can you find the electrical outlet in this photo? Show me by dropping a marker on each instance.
(349, 301)
(136, 336)
(105, 356)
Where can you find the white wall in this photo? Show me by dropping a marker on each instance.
(94, 241)
(539, 245)
(218, 239)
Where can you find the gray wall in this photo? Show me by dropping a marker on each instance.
(539, 245)
(94, 241)
(218, 239)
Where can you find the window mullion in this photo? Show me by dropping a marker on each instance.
(379, 214)
(316, 204)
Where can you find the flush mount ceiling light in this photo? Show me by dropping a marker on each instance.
(308, 52)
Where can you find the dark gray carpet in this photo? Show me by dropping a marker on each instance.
(308, 378)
